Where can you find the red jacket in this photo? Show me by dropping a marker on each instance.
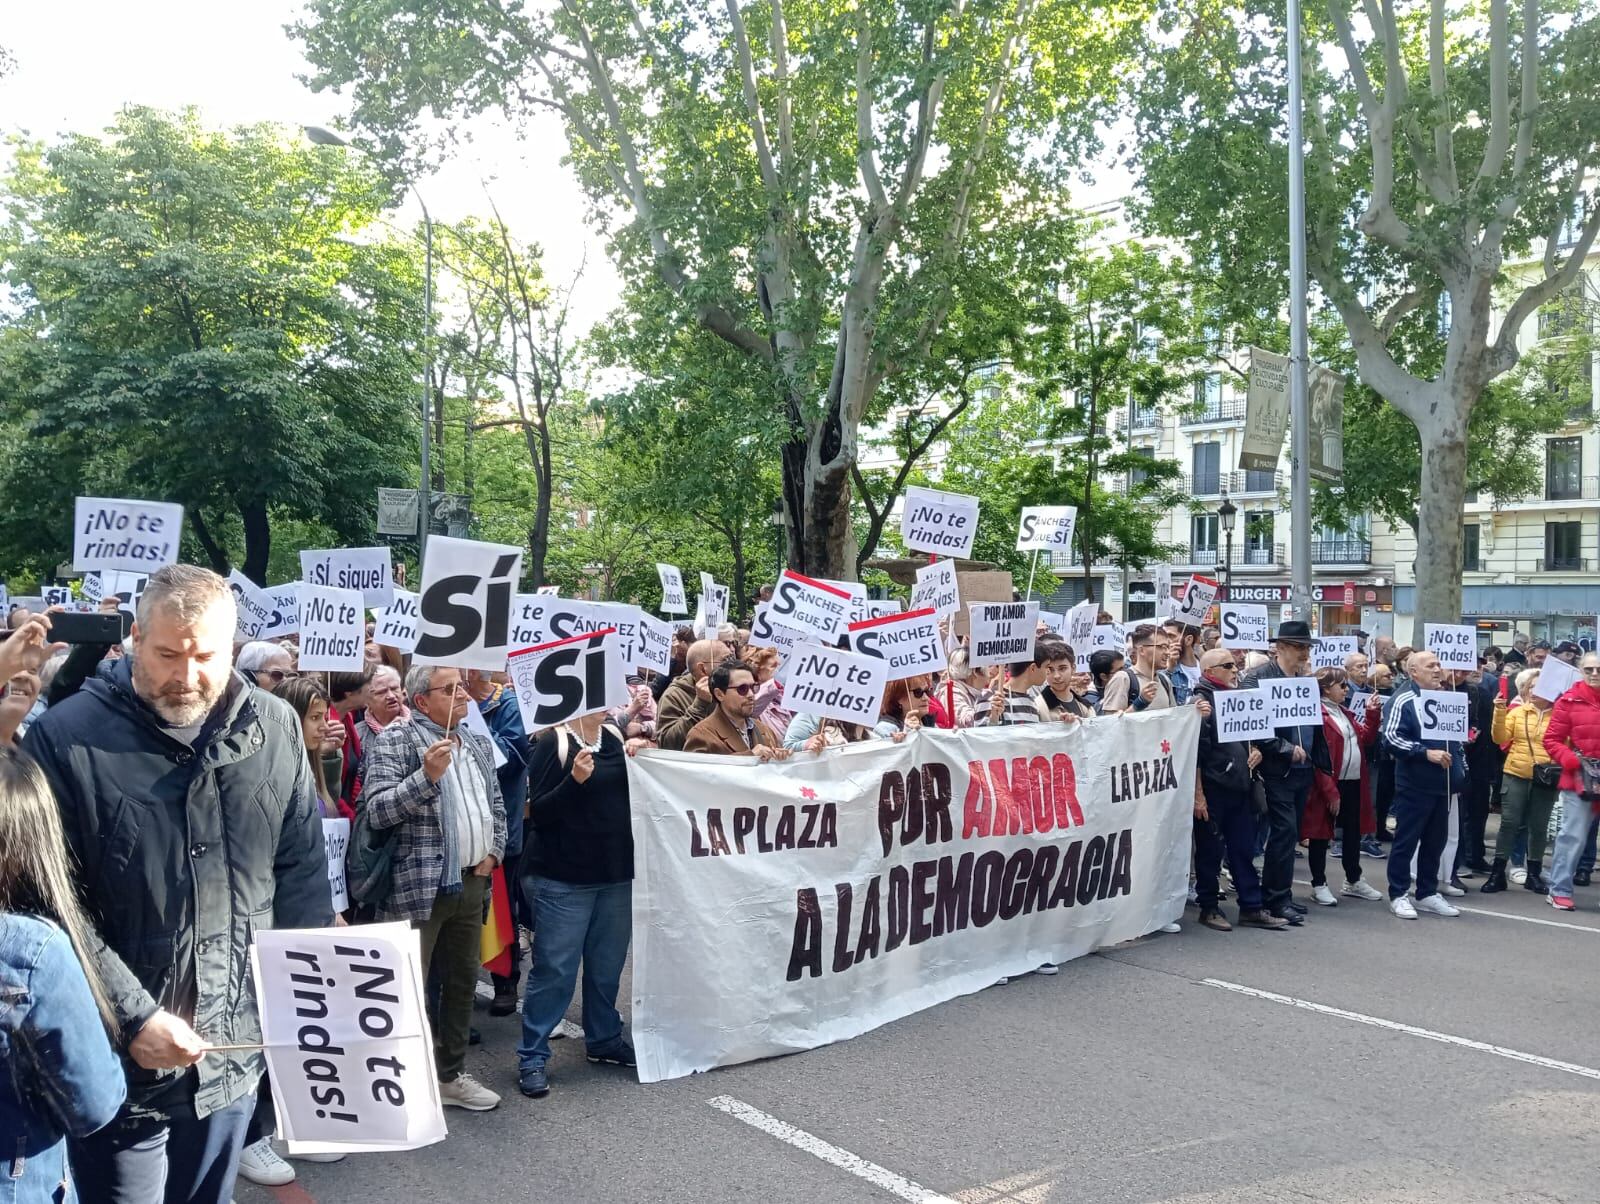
(1574, 731)
(1323, 805)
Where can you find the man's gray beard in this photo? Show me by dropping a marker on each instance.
(178, 714)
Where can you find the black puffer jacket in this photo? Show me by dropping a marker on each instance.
(185, 853)
(1223, 767)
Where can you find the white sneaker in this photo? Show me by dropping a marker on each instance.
(1446, 888)
(1172, 927)
(1435, 906)
(1402, 908)
(1360, 890)
(1324, 896)
(282, 1149)
(1048, 969)
(1519, 874)
(259, 1163)
(466, 1092)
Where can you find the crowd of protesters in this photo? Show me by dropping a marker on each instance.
(163, 800)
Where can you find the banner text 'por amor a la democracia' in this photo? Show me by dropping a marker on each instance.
(782, 907)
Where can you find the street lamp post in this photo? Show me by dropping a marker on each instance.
(1226, 513)
(325, 137)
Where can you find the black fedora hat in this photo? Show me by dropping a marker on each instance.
(1293, 631)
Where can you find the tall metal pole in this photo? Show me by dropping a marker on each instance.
(1299, 353)
(425, 494)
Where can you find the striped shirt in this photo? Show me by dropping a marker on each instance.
(1020, 708)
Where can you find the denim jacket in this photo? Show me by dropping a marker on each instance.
(59, 1076)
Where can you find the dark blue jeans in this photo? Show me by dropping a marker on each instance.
(1286, 807)
(573, 924)
(1422, 826)
(1230, 833)
(163, 1160)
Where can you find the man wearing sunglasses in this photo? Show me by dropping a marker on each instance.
(732, 729)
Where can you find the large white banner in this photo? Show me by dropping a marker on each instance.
(781, 907)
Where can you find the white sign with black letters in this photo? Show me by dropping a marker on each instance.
(1242, 715)
(932, 520)
(812, 606)
(335, 840)
(1001, 632)
(285, 617)
(121, 533)
(564, 679)
(1046, 528)
(364, 569)
(332, 630)
(1293, 701)
(251, 608)
(1442, 714)
(910, 643)
(1329, 651)
(396, 625)
(654, 650)
(936, 588)
(767, 632)
(1455, 644)
(1243, 625)
(674, 601)
(466, 594)
(835, 685)
(1197, 600)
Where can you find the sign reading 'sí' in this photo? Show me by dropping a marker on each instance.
(465, 603)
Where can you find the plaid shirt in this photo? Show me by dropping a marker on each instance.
(400, 795)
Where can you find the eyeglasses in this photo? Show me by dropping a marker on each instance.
(745, 689)
(277, 676)
(458, 688)
(1591, 668)
(918, 692)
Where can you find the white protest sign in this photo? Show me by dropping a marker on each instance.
(467, 587)
(348, 1048)
(332, 630)
(1242, 715)
(1442, 714)
(548, 591)
(767, 632)
(936, 588)
(934, 521)
(1555, 679)
(284, 601)
(335, 840)
(364, 569)
(567, 617)
(1455, 644)
(1356, 700)
(674, 601)
(1054, 620)
(1197, 600)
(1109, 635)
(909, 642)
(1046, 528)
(92, 585)
(858, 596)
(119, 533)
(1163, 583)
(654, 650)
(563, 679)
(56, 595)
(878, 607)
(530, 619)
(475, 722)
(835, 685)
(1243, 625)
(251, 608)
(1001, 632)
(396, 625)
(1293, 701)
(821, 610)
(1081, 624)
(1329, 651)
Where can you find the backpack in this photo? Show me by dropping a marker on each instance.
(1133, 690)
(369, 862)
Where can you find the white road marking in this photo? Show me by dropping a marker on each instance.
(1500, 1051)
(843, 1159)
(1499, 915)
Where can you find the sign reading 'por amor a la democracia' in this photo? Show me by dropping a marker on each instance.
(934, 521)
(876, 880)
(119, 533)
(1002, 632)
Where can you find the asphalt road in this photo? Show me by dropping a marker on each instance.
(1131, 1076)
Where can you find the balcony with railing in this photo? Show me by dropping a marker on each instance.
(1351, 550)
(1242, 483)
(1229, 409)
(1270, 556)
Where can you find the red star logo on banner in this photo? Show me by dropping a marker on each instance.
(1166, 747)
(807, 792)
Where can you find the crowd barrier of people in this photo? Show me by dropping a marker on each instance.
(163, 798)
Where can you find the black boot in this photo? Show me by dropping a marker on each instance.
(1497, 877)
(1536, 880)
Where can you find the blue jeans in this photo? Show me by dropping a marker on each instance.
(1577, 821)
(1230, 833)
(155, 1160)
(591, 923)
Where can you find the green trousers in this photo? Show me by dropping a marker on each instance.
(1523, 802)
(452, 936)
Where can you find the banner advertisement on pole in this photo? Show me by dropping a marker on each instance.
(1266, 411)
(1443, 714)
(1046, 528)
(333, 630)
(123, 533)
(1455, 644)
(396, 625)
(1243, 625)
(345, 1029)
(1197, 599)
(397, 512)
(1325, 398)
(1001, 632)
(1242, 715)
(932, 520)
(834, 684)
(812, 606)
(936, 588)
(909, 642)
(466, 593)
(564, 679)
(364, 569)
(878, 880)
(1329, 651)
(1293, 701)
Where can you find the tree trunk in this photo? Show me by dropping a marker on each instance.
(539, 532)
(257, 540)
(828, 541)
(215, 553)
(1444, 491)
(736, 543)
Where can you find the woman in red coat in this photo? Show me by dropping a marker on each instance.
(1342, 800)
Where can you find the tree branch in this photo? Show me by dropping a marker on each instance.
(1504, 354)
(1498, 144)
(752, 100)
(1444, 146)
(866, 159)
(1380, 220)
(780, 72)
(1408, 303)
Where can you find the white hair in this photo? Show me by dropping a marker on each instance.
(186, 591)
(257, 653)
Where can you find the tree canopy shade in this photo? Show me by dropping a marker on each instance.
(197, 325)
(802, 179)
(1444, 141)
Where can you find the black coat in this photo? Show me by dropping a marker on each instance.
(1277, 754)
(185, 854)
(1223, 767)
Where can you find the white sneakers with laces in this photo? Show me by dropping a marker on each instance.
(1322, 895)
(1436, 906)
(259, 1163)
(1360, 890)
(466, 1092)
(1402, 908)
(1448, 888)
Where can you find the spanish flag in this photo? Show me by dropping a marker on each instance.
(494, 945)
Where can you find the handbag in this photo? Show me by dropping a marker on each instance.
(1589, 779)
(1546, 774)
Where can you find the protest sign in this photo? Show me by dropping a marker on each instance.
(1329, 651)
(1356, 700)
(1556, 677)
(936, 589)
(348, 1048)
(767, 632)
(465, 603)
(884, 879)
(835, 685)
(1293, 701)
(566, 678)
(566, 617)
(878, 607)
(121, 533)
(251, 608)
(332, 630)
(1054, 620)
(335, 840)
(284, 601)
(1081, 624)
(1442, 714)
(56, 595)
(674, 601)
(1242, 715)
(1109, 635)
(92, 585)
(396, 625)
(364, 569)
(1162, 575)
(909, 642)
(1243, 625)
(858, 597)
(1455, 644)
(548, 591)
(654, 650)
(1046, 528)
(934, 521)
(1002, 632)
(475, 722)
(31, 604)
(1197, 600)
(821, 610)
